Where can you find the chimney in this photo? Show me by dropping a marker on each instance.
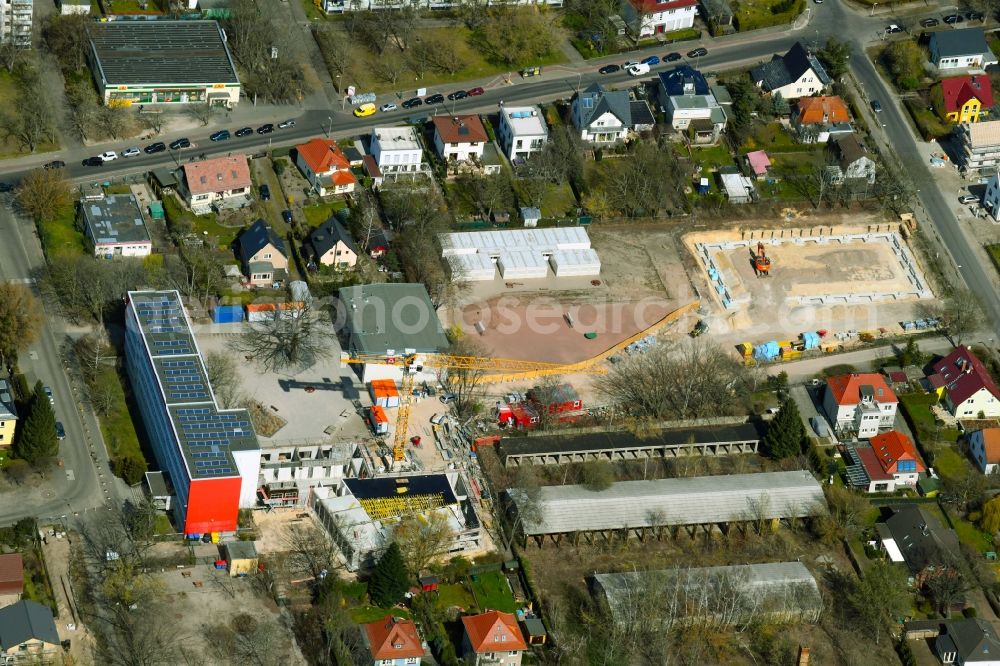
(803, 656)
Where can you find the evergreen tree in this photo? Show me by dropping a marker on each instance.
(390, 580)
(36, 438)
(786, 434)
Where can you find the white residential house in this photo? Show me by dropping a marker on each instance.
(966, 385)
(217, 183)
(689, 102)
(991, 198)
(522, 131)
(960, 49)
(796, 74)
(646, 18)
(603, 116)
(459, 138)
(860, 404)
(397, 150)
(325, 166)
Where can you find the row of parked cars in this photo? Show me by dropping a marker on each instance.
(365, 110)
(177, 144)
(642, 67)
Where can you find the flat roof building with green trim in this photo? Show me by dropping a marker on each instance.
(163, 62)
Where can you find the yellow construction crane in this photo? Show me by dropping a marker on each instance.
(499, 369)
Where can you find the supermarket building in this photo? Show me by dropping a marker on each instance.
(211, 455)
(163, 62)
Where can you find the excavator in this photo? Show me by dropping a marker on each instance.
(492, 369)
(761, 262)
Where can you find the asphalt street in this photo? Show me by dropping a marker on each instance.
(76, 486)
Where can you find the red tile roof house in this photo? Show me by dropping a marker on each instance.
(11, 579)
(325, 166)
(646, 18)
(968, 387)
(492, 638)
(890, 461)
(459, 138)
(859, 404)
(984, 446)
(219, 182)
(393, 641)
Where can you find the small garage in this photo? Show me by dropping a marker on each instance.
(241, 557)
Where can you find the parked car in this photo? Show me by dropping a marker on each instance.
(974, 15)
(48, 392)
(6, 187)
(60, 431)
(651, 60)
(365, 110)
(434, 99)
(286, 124)
(929, 22)
(951, 19)
(447, 397)
(109, 156)
(699, 328)
(673, 57)
(968, 198)
(610, 69)
(892, 28)
(244, 131)
(265, 192)
(638, 69)
(55, 164)
(157, 147)
(386, 108)
(698, 52)
(131, 152)
(221, 135)
(458, 94)
(93, 161)
(475, 92)
(412, 102)
(286, 215)
(876, 106)
(180, 143)
(629, 63)
(266, 128)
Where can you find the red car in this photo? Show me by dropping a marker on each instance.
(472, 92)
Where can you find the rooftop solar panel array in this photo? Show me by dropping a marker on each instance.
(162, 52)
(206, 435)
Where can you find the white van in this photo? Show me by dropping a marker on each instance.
(638, 69)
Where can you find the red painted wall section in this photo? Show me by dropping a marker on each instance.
(213, 506)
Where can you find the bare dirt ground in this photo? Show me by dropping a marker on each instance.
(219, 598)
(69, 623)
(272, 527)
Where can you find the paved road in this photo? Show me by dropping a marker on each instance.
(799, 371)
(20, 255)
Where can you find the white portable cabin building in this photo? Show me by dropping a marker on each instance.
(522, 265)
(472, 267)
(569, 263)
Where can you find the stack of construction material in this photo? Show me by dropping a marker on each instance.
(810, 340)
(767, 351)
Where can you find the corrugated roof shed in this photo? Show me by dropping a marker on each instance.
(788, 587)
(692, 501)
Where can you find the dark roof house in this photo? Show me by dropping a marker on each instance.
(913, 536)
(256, 238)
(684, 80)
(25, 621)
(968, 641)
(784, 70)
(326, 236)
(596, 101)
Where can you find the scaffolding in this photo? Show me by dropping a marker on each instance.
(381, 508)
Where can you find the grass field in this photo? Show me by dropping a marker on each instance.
(918, 408)
(994, 252)
(476, 66)
(60, 237)
(8, 98)
(949, 463)
(712, 157)
(363, 614)
(492, 591)
(558, 201)
(117, 427)
(454, 594)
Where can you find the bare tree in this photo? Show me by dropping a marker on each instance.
(336, 51)
(422, 538)
(466, 383)
(962, 315)
(203, 113)
(224, 378)
(290, 340)
(389, 66)
(33, 121)
(310, 552)
(43, 194)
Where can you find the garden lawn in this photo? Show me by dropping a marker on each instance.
(972, 536)
(918, 409)
(317, 214)
(558, 201)
(949, 463)
(60, 237)
(363, 614)
(712, 157)
(117, 427)
(994, 251)
(492, 591)
(454, 594)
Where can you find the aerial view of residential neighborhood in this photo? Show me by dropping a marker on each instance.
(499, 333)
